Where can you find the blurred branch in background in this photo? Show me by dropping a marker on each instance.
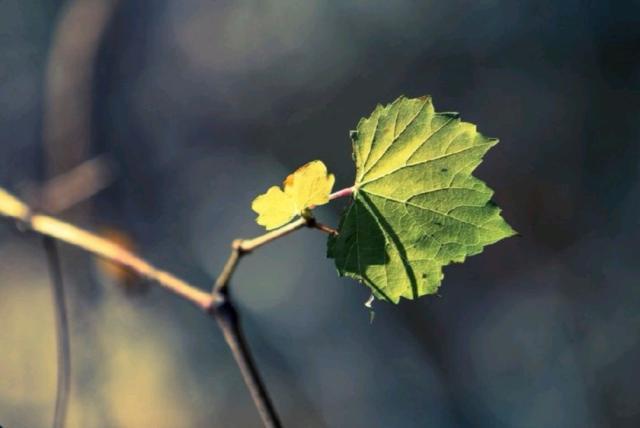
(62, 333)
(69, 80)
(54, 196)
(76, 186)
(66, 137)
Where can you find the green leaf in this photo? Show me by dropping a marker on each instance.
(416, 207)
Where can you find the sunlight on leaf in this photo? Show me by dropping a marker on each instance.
(309, 186)
(416, 207)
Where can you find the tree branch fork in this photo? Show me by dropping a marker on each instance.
(13, 208)
(216, 303)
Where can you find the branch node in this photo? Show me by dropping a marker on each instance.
(24, 223)
(238, 246)
(310, 221)
(216, 303)
(225, 312)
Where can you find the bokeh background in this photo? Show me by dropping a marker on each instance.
(201, 105)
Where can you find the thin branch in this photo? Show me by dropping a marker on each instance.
(12, 207)
(220, 286)
(325, 228)
(217, 303)
(69, 77)
(240, 247)
(75, 186)
(229, 321)
(248, 245)
(62, 333)
(67, 120)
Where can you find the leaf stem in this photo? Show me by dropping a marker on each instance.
(348, 191)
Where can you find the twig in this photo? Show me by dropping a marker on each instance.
(325, 228)
(248, 245)
(227, 317)
(67, 127)
(62, 333)
(220, 286)
(68, 100)
(75, 186)
(218, 303)
(240, 247)
(12, 207)
(229, 321)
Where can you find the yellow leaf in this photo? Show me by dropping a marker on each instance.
(274, 208)
(309, 186)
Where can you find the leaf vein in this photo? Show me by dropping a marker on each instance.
(413, 119)
(427, 209)
(426, 161)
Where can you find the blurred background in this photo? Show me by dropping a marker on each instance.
(195, 107)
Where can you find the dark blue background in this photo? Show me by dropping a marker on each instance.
(202, 105)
